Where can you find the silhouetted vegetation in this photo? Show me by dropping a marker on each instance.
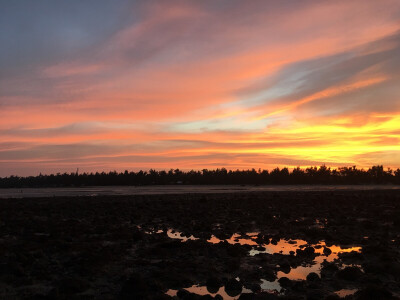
(312, 175)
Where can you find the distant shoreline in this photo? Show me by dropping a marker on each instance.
(322, 175)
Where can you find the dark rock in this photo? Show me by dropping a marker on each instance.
(268, 274)
(351, 257)
(254, 287)
(328, 269)
(53, 294)
(233, 264)
(213, 284)
(233, 287)
(11, 269)
(265, 296)
(138, 286)
(373, 292)
(315, 295)
(298, 286)
(285, 267)
(206, 297)
(313, 277)
(39, 297)
(246, 296)
(137, 235)
(327, 251)
(182, 293)
(191, 296)
(285, 282)
(68, 286)
(332, 297)
(160, 296)
(350, 273)
(236, 250)
(274, 241)
(307, 252)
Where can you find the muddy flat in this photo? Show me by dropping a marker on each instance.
(282, 244)
(177, 189)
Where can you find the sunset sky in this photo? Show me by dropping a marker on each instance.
(114, 85)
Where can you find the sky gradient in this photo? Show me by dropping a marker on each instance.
(114, 85)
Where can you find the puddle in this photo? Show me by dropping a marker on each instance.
(345, 292)
(178, 235)
(284, 247)
(236, 238)
(171, 233)
(271, 286)
(202, 290)
(301, 272)
(289, 247)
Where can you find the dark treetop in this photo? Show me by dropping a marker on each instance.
(313, 175)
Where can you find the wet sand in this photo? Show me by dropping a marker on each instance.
(242, 245)
(95, 191)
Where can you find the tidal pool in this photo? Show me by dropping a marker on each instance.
(346, 292)
(282, 246)
(270, 286)
(202, 290)
(178, 235)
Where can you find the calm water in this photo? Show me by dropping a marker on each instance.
(178, 189)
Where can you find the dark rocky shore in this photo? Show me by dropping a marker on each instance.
(269, 245)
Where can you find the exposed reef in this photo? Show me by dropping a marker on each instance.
(269, 245)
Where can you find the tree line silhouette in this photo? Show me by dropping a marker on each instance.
(312, 175)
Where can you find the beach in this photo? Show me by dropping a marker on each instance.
(243, 245)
